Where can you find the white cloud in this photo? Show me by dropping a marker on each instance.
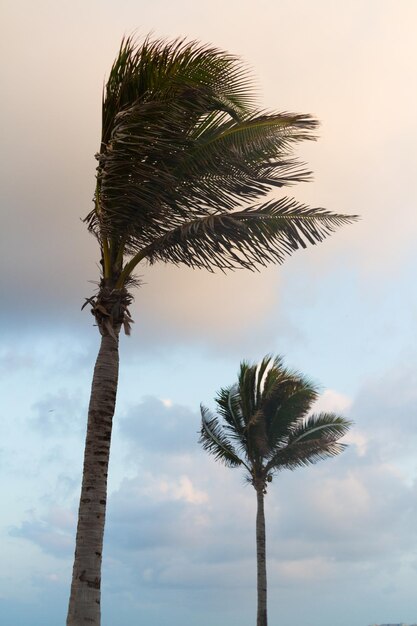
(184, 490)
(332, 401)
(315, 570)
(53, 533)
(358, 439)
(175, 489)
(343, 500)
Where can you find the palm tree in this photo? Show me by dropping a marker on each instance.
(261, 424)
(184, 153)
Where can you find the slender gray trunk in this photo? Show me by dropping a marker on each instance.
(84, 603)
(261, 558)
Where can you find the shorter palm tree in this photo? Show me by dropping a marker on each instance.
(262, 424)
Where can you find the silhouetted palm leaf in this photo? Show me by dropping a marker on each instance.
(214, 440)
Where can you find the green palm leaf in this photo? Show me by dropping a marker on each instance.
(215, 441)
(286, 406)
(315, 439)
(245, 239)
(229, 408)
(324, 426)
(159, 66)
(153, 168)
(257, 148)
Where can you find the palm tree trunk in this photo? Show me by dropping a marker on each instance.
(84, 603)
(261, 558)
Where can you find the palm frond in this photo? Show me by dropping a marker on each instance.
(137, 185)
(229, 408)
(214, 440)
(257, 148)
(139, 71)
(153, 172)
(263, 368)
(245, 239)
(316, 439)
(246, 386)
(156, 95)
(256, 437)
(286, 406)
(324, 426)
(305, 454)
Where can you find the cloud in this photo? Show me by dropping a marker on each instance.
(184, 489)
(154, 514)
(183, 523)
(59, 413)
(332, 401)
(53, 533)
(155, 426)
(384, 413)
(180, 304)
(359, 516)
(15, 360)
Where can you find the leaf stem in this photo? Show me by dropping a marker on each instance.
(106, 257)
(129, 267)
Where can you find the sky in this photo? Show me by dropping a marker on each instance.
(179, 542)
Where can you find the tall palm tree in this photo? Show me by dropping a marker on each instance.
(183, 155)
(262, 424)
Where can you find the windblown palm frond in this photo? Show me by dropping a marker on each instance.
(248, 239)
(228, 406)
(152, 166)
(286, 406)
(214, 440)
(315, 439)
(324, 427)
(250, 156)
(160, 66)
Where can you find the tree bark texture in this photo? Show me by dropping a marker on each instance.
(84, 603)
(261, 558)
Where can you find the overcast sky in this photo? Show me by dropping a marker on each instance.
(179, 544)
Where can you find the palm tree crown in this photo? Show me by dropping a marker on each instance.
(184, 153)
(262, 423)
